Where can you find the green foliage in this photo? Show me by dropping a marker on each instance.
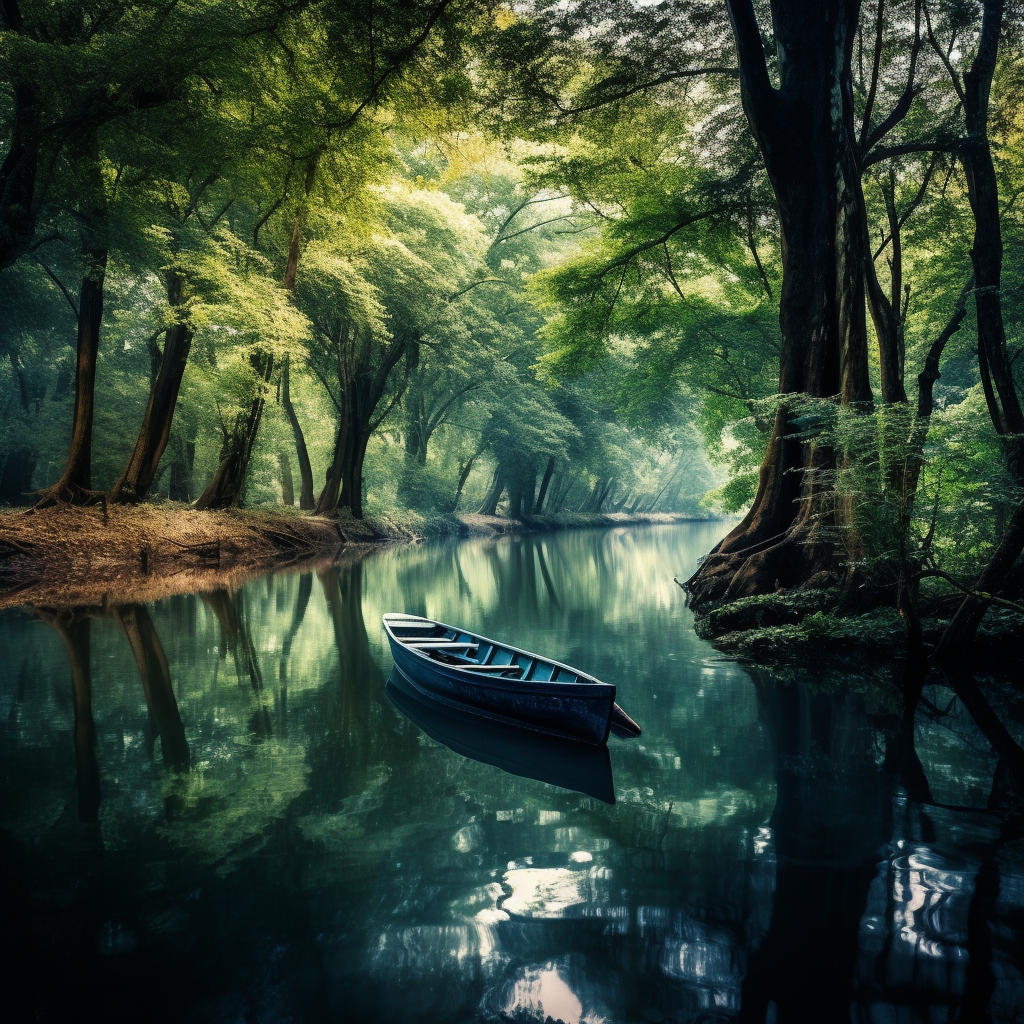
(568, 235)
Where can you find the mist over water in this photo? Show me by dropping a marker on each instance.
(212, 811)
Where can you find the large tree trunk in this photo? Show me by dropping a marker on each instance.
(520, 493)
(1004, 403)
(804, 130)
(489, 506)
(225, 489)
(155, 432)
(20, 165)
(306, 501)
(16, 476)
(75, 484)
(545, 482)
(364, 385)
(344, 485)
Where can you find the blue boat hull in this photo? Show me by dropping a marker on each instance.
(579, 710)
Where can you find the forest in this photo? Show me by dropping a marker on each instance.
(533, 258)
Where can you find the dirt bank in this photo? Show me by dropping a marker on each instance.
(91, 556)
(85, 556)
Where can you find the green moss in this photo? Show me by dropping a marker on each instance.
(786, 608)
(878, 631)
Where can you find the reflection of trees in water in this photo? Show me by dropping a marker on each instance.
(74, 629)
(936, 928)
(828, 823)
(848, 929)
(808, 923)
(237, 639)
(686, 911)
(352, 744)
(73, 626)
(149, 656)
(358, 673)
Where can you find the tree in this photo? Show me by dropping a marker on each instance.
(372, 307)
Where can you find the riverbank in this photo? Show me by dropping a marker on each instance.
(808, 628)
(91, 556)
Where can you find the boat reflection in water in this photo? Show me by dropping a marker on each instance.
(565, 763)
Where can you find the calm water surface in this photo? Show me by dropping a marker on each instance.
(213, 812)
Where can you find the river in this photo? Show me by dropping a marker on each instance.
(215, 810)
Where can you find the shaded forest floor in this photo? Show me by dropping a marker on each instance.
(91, 556)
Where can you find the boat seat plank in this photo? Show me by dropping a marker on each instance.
(441, 645)
(488, 668)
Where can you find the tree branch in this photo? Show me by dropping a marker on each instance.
(902, 108)
(873, 87)
(945, 145)
(991, 598)
(755, 85)
(57, 281)
(668, 76)
(397, 62)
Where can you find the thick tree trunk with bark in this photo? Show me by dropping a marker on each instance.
(804, 130)
(75, 484)
(489, 505)
(155, 432)
(520, 493)
(19, 170)
(344, 485)
(225, 489)
(545, 482)
(364, 376)
(1004, 403)
(306, 501)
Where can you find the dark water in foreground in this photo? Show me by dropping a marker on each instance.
(211, 811)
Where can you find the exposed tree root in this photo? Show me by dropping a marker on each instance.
(65, 494)
(796, 559)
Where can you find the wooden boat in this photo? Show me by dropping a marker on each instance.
(503, 683)
(568, 764)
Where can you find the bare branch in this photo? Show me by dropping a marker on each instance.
(943, 56)
(57, 281)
